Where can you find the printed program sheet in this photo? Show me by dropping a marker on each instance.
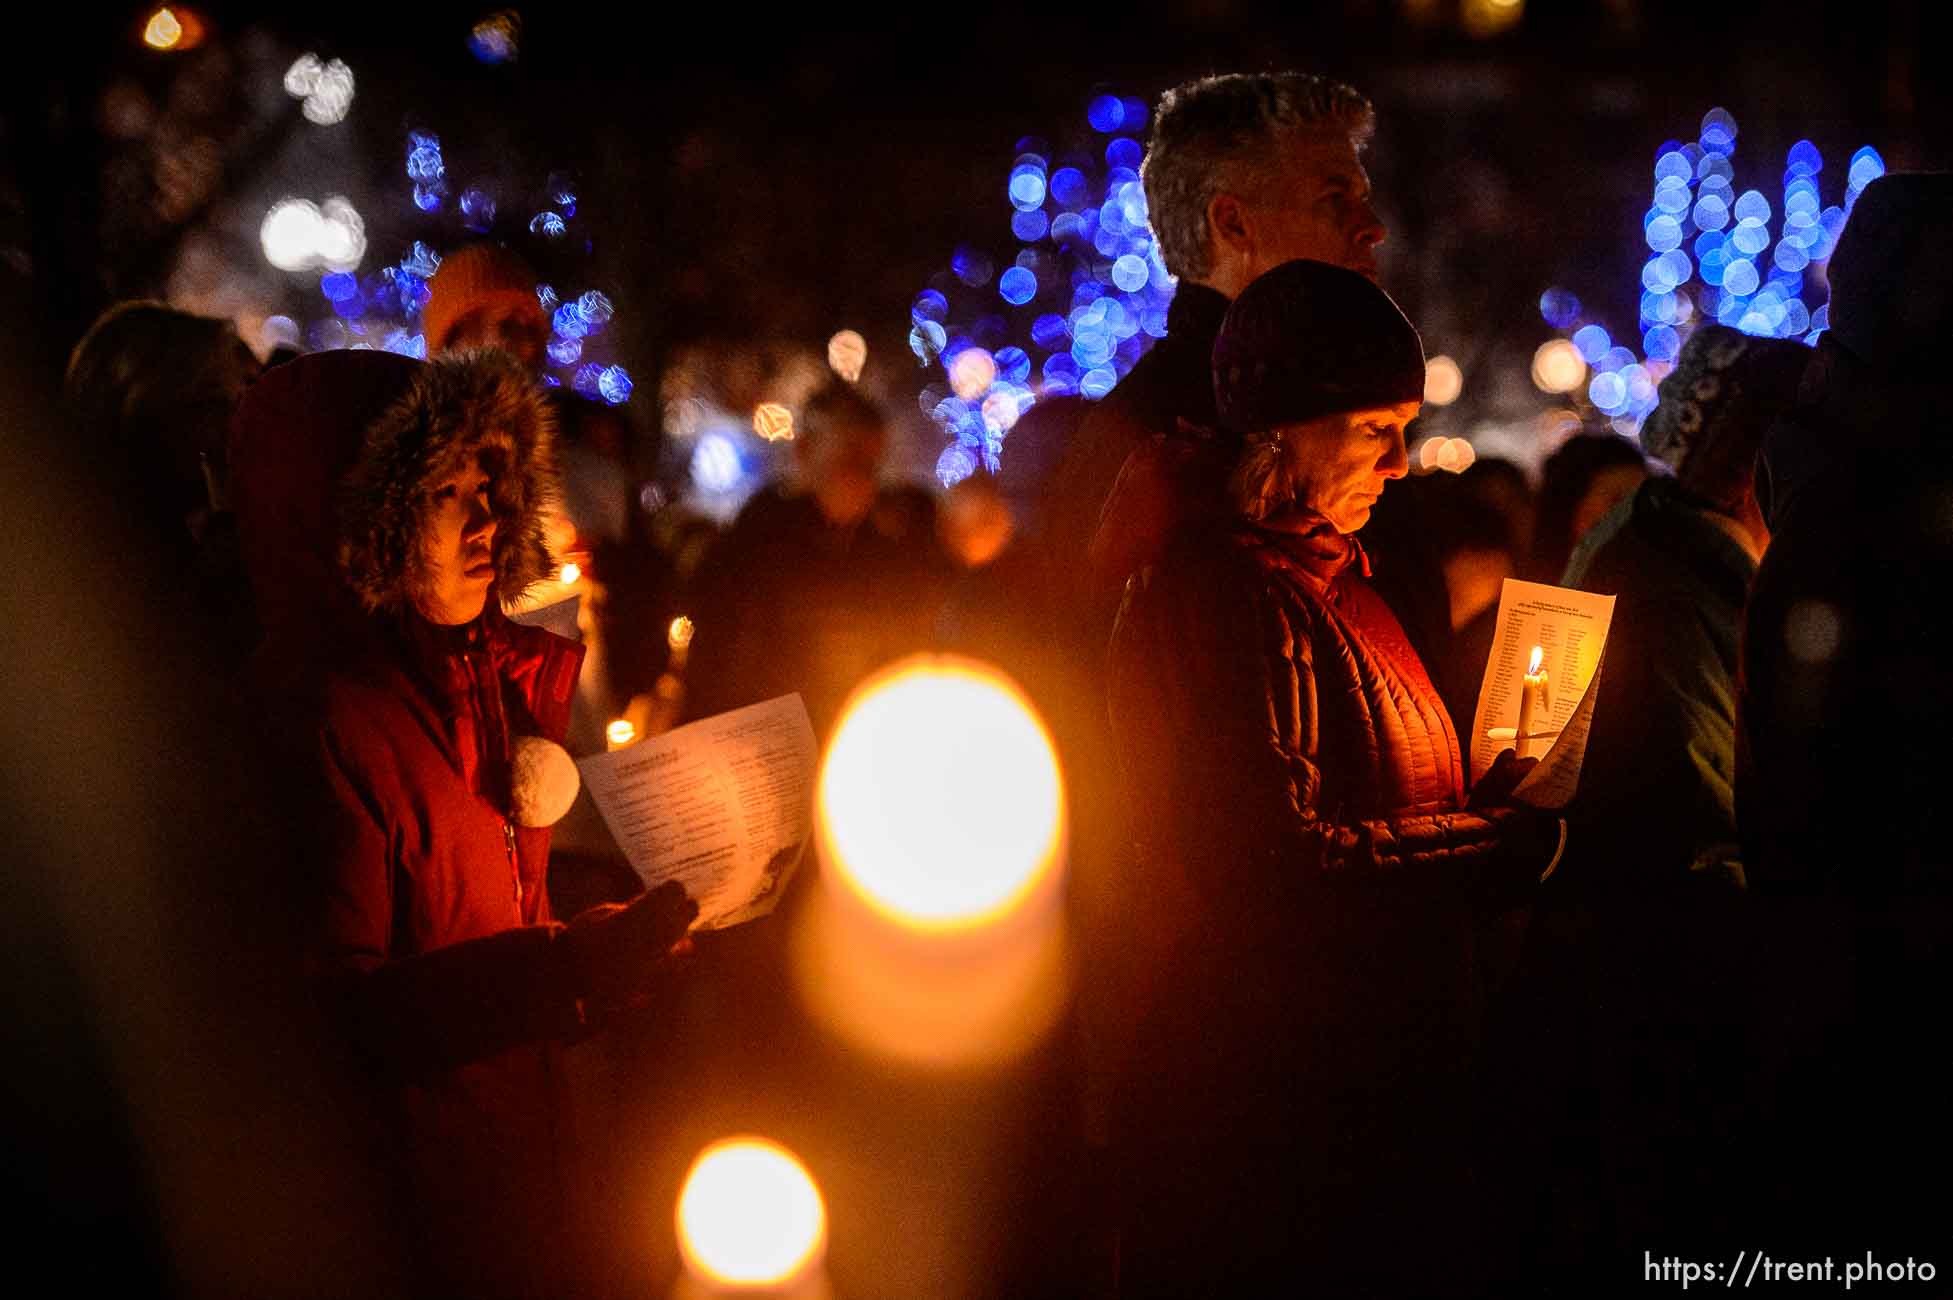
(1570, 627)
(722, 805)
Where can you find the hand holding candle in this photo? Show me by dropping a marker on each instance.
(1535, 703)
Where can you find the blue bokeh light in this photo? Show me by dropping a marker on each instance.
(1718, 131)
(1664, 233)
(1027, 187)
(1559, 308)
(1615, 358)
(1866, 166)
(1750, 237)
(1804, 159)
(715, 464)
(1673, 165)
(1662, 343)
(1608, 391)
(568, 322)
(972, 267)
(1130, 273)
(1124, 152)
(1049, 331)
(1069, 187)
(595, 309)
(547, 224)
(927, 340)
(614, 385)
(477, 209)
(1030, 226)
(424, 163)
(1711, 212)
(929, 305)
(1740, 277)
(338, 286)
(1752, 206)
(956, 463)
(1106, 114)
(565, 351)
(421, 260)
(1017, 286)
(1013, 365)
(1592, 342)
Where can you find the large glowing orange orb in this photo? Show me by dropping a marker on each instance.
(939, 800)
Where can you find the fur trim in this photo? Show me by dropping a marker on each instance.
(480, 402)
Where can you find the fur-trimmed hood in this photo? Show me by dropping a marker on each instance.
(480, 403)
(333, 459)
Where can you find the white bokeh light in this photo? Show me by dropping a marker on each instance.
(299, 235)
(290, 234)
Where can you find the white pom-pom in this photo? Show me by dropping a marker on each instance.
(543, 782)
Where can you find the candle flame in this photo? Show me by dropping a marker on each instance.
(1532, 668)
(163, 30)
(620, 733)
(571, 572)
(679, 634)
(750, 1215)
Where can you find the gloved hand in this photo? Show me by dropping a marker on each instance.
(619, 953)
(1494, 789)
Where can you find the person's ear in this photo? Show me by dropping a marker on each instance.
(1229, 224)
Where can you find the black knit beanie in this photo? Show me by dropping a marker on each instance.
(1892, 274)
(1309, 339)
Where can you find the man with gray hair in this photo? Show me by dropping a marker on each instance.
(1243, 173)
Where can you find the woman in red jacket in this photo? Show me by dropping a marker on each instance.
(386, 507)
(1305, 862)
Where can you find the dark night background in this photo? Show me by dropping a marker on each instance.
(751, 180)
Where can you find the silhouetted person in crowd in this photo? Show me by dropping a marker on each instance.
(1478, 525)
(1588, 476)
(386, 508)
(484, 296)
(1242, 173)
(1622, 1061)
(1300, 904)
(151, 390)
(1841, 775)
(822, 578)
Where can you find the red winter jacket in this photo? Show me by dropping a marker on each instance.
(426, 908)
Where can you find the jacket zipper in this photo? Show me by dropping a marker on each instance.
(515, 866)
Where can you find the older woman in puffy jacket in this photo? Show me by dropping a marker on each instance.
(1306, 865)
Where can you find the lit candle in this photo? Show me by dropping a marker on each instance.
(936, 934)
(751, 1222)
(1534, 702)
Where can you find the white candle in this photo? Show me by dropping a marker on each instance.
(1533, 704)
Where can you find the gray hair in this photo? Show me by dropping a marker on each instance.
(1225, 132)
